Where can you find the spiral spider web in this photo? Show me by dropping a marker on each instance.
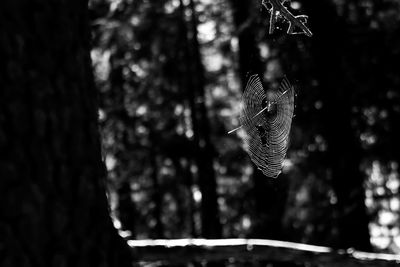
(266, 118)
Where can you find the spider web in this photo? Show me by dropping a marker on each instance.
(266, 118)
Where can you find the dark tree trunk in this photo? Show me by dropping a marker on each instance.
(204, 154)
(329, 45)
(54, 207)
(157, 194)
(269, 193)
(126, 208)
(245, 23)
(211, 226)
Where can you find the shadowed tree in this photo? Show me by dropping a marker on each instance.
(127, 213)
(54, 208)
(204, 155)
(343, 157)
(269, 193)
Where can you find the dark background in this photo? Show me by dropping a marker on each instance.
(170, 75)
(165, 79)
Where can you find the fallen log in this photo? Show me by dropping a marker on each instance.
(179, 251)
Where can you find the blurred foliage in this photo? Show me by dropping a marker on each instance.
(141, 60)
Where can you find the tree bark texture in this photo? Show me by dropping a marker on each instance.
(54, 207)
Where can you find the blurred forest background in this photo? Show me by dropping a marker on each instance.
(171, 74)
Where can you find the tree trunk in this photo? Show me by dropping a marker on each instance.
(126, 208)
(249, 54)
(329, 46)
(204, 155)
(54, 207)
(157, 194)
(269, 193)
